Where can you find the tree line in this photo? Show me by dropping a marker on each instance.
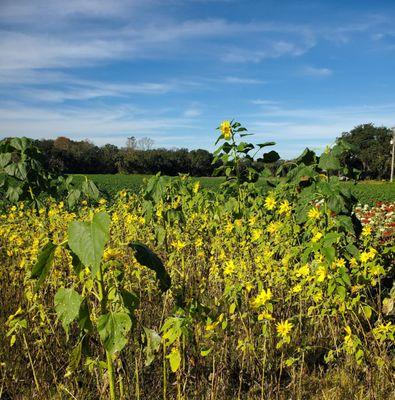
(371, 154)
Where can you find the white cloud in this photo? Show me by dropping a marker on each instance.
(243, 81)
(193, 111)
(317, 72)
(295, 128)
(111, 124)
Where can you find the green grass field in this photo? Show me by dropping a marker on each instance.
(368, 192)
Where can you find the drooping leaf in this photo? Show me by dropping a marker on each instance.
(308, 157)
(73, 197)
(130, 300)
(153, 341)
(90, 189)
(67, 306)
(271, 157)
(43, 264)
(84, 320)
(261, 145)
(174, 359)
(74, 360)
(149, 259)
(113, 328)
(87, 240)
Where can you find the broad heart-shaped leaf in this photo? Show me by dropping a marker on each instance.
(90, 189)
(67, 306)
(41, 267)
(153, 343)
(5, 158)
(150, 260)
(19, 143)
(13, 193)
(18, 170)
(87, 240)
(329, 162)
(113, 328)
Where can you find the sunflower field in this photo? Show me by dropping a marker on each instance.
(178, 292)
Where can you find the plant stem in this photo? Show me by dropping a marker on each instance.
(31, 363)
(111, 376)
(110, 367)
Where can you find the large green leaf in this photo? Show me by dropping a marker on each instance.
(329, 162)
(13, 193)
(308, 157)
(87, 240)
(149, 259)
(20, 143)
(5, 158)
(67, 306)
(90, 189)
(41, 267)
(17, 170)
(113, 328)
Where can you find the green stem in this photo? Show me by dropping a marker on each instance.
(110, 367)
(31, 363)
(111, 376)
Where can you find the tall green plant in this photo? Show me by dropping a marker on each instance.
(23, 177)
(100, 304)
(236, 156)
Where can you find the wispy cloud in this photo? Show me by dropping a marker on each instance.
(317, 72)
(110, 124)
(295, 128)
(243, 81)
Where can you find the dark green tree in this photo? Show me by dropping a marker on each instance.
(371, 150)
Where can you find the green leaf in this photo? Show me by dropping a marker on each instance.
(43, 264)
(67, 306)
(5, 158)
(19, 143)
(329, 253)
(153, 343)
(261, 145)
(130, 300)
(175, 359)
(73, 197)
(18, 170)
(113, 328)
(329, 162)
(341, 291)
(74, 360)
(308, 157)
(150, 260)
(87, 240)
(90, 189)
(271, 157)
(84, 320)
(13, 193)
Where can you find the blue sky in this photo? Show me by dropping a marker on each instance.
(296, 72)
